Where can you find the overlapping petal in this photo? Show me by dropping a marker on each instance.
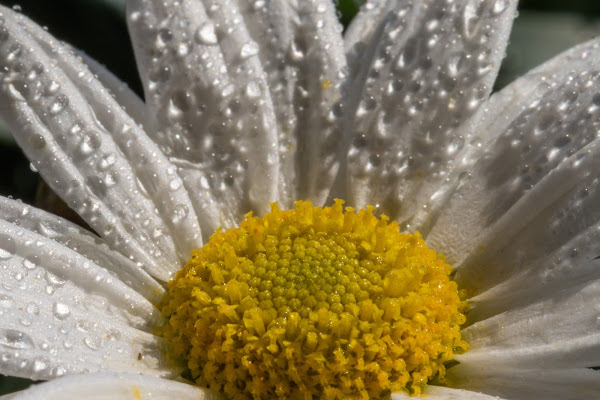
(113, 386)
(91, 152)
(65, 313)
(425, 69)
(529, 202)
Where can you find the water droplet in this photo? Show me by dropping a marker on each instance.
(179, 213)
(92, 342)
(61, 311)
(52, 88)
(249, 49)
(40, 364)
(36, 141)
(107, 161)
(110, 180)
(6, 301)
(15, 339)
(500, 6)
(54, 280)
(206, 34)
(164, 37)
(33, 309)
(183, 49)
(175, 184)
(252, 89)
(90, 143)
(59, 104)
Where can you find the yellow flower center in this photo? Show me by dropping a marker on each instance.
(313, 303)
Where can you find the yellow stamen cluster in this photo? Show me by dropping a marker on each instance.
(313, 303)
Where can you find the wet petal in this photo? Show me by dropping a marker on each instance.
(514, 384)
(557, 330)
(83, 242)
(62, 313)
(127, 99)
(91, 152)
(534, 186)
(197, 60)
(301, 51)
(431, 64)
(113, 386)
(444, 393)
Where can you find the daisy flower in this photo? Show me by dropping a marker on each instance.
(247, 215)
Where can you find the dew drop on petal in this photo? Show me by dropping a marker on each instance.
(249, 49)
(59, 104)
(15, 339)
(92, 342)
(61, 311)
(500, 6)
(36, 141)
(206, 34)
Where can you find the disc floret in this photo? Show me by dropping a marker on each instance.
(314, 303)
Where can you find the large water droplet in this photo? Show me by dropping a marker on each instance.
(15, 339)
(36, 141)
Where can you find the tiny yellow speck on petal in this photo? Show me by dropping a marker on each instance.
(137, 393)
(326, 84)
(314, 302)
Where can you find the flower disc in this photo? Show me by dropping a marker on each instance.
(313, 303)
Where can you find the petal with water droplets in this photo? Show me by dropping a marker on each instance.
(426, 69)
(91, 152)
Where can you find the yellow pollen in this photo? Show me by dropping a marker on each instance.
(313, 303)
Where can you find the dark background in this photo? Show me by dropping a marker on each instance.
(543, 29)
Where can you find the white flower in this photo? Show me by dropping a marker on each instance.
(251, 101)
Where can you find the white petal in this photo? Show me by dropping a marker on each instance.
(301, 51)
(196, 64)
(83, 242)
(428, 66)
(129, 101)
(515, 384)
(91, 152)
(62, 313)
(534, 187)
(559, 330)
(444, 393)
(113, 386)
